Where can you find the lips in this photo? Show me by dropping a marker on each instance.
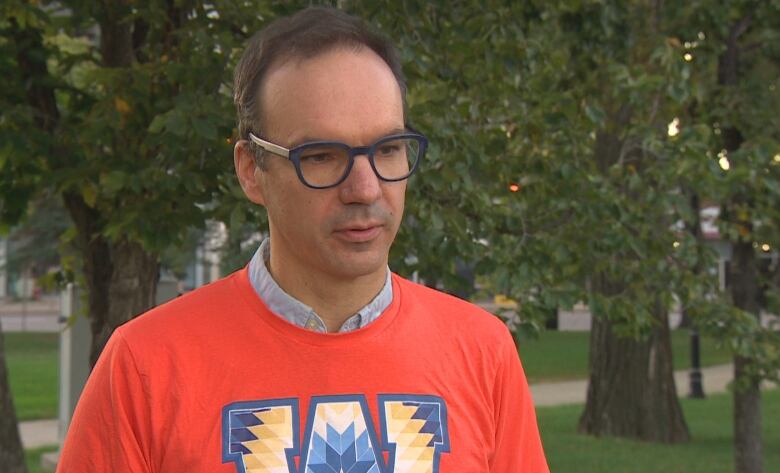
(359, 233)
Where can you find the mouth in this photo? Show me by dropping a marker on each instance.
(359, 233)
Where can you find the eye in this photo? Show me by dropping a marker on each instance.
(389, 149)
(317, 158)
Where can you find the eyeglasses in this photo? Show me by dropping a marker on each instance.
(325, 164)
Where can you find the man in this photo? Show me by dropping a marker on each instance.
(314, 358)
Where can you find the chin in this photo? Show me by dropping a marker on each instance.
(358, 265)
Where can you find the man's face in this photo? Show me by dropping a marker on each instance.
(342, 95)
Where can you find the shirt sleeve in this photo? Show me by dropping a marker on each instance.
(518, 446)
(110, 431)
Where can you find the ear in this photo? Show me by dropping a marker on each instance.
(247, 172)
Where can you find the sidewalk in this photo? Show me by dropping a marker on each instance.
(41, 315)
(39, 433)
(715, 379)
(48, 304)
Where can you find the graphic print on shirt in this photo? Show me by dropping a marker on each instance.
(258, 436)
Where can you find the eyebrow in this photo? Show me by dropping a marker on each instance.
(309, 139)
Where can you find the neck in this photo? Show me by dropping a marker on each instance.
(334, 299)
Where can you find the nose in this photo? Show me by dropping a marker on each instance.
(362, 186)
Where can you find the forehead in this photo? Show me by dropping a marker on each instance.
(345, 93)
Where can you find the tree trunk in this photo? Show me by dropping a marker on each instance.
(131, 291)
(121, 277)
(744, 285)
(11, 451)
(748, 450)
(745, 291)
(631, 390)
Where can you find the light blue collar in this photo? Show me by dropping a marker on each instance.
(298, 313)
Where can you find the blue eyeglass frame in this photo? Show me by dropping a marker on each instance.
(294, 154)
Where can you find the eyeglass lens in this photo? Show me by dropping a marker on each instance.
(325, 165)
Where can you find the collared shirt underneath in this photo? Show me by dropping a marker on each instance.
(298, 313)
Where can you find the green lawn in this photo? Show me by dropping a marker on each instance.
(32, 369)
(557, 356)
(710, 450)
(33, 458)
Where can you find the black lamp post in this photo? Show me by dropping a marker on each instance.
(696, 387)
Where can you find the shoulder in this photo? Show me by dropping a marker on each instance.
(194, 313)
(451, 313)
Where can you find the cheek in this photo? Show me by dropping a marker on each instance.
(398, 194)
(395, 196)
(300, 210)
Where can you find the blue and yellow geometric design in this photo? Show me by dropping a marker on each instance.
(340, 439)
(260, 436)
(414, 429)
(263, 436)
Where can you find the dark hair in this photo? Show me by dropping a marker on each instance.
(304, 35)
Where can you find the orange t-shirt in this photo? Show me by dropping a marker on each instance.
(213, 382)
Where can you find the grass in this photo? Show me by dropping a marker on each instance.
(710, 450)
(33, 458)
(33, 372)
(558, 356)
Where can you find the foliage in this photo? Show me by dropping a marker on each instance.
(140, 144)
(739, 111)
(522, 93)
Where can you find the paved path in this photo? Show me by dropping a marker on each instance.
(39, 433)
(41, 315)
(31, 323)
(47, 304)
(716, 378)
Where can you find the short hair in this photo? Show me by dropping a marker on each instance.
(306, 34)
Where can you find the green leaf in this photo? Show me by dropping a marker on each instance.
(176, 124)
(595, 114)
(204, 128)
(157, 125)
(89, 194)
(113, 181)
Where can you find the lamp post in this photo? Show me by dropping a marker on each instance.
(696, 387)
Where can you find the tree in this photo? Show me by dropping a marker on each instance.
(11, 452)
(514, 95)
(122, 110)
(739, 68)
(628, 74)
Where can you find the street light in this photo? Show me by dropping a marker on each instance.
(696, 387)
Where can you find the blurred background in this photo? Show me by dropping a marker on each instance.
(603, 174)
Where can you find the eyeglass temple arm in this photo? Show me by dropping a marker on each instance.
(270, 147)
